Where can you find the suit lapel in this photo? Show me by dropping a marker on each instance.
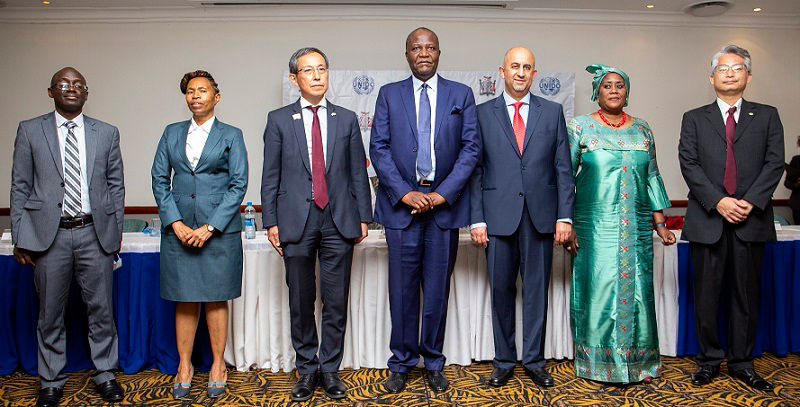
(90, 140)
(746, 117)
(407, 93)
(715, 117)
(501, 113)
(300, 133)
(534, 111)
(442, 99)
(184, 134)
(51, 135)
(214, 136)
(333, 127)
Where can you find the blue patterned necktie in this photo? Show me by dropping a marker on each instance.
(424, 165)
(72, 172)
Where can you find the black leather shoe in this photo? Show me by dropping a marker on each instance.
(704, 374)
(111, 391)
(540, 377)
(437, 381)
(304, 388)
(49, 396)
(396, 382)
(499, 377)
(333, 386)
(752, 379)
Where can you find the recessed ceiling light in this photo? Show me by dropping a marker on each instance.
(650, 5)
(757, 9)
(45, 2)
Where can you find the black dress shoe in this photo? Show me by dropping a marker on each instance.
(704, 374)
(752, 379)
(499, 377)
(437, 381)
(333, 386)
(111, 391)
(396, 382)
(304, 388)
(540, 377)
(49, 396)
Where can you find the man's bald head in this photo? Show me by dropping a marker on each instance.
(522, 52)
(63, 71)
(518, 71)
(413, 34)
(69, 92)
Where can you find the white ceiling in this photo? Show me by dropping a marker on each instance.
(740, 7)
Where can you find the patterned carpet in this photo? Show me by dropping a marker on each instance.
(262, 388)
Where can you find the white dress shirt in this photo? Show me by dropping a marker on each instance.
(308, 122)
(80, 136)
(433, 85)
(723, 108)
(523, 111)
(196, 140)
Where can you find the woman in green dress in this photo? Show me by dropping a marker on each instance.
(619, 200)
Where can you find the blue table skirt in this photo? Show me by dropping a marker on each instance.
(145, 322)
(779, 314)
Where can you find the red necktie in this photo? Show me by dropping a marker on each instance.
(318, 163)
(519, 126)
(730, 158)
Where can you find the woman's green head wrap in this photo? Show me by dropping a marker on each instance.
(600, 71)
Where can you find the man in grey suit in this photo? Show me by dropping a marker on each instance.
(314, 189)
(731, 156)
(67, 204)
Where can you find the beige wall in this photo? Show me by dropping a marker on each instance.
(133, 69)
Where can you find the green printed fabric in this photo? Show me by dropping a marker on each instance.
(618, 187)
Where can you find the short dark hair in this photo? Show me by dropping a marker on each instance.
(293, 60)
(408, 38)
(197, 74)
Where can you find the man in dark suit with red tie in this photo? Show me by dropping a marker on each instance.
(731, 156)
(316, 204)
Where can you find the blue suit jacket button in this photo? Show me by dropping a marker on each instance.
(193, 196)
(414, 149)
(521, 194)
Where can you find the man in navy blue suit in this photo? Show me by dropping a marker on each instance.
(424, 146)
(522, 193)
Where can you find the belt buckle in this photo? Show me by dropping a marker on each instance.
(425, 183)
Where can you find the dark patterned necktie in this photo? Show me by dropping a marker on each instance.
(318, 180)
(730, 158)
(72, 172)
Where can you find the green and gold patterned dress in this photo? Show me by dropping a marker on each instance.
(612, 306)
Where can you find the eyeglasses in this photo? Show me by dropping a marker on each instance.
(66, 86)
(735, 68)
(309, 70)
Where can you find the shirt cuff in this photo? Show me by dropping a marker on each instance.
(477, 225)
(565, 220)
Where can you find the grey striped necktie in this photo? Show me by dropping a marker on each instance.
(72, 172)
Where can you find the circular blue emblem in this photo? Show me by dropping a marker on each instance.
(549, 85)
(363, 84)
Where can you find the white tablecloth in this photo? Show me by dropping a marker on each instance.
(259, 329)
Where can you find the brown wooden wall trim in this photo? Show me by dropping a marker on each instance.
(151, 210)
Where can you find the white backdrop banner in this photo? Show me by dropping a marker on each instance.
(358, 91)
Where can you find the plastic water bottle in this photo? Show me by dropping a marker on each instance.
(249, 221)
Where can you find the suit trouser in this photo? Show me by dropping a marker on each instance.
(423, 255)
(531, 253)
(320, 237)
(75, 251)
(739, 264)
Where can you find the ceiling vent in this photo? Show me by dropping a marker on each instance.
(708, 8)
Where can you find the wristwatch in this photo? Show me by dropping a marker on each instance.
(659, 225)
(210, 228)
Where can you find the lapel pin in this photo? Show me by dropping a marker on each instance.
(333, 114)
(296, 116)
(751, 113)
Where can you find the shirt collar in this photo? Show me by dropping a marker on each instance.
(60, 120)
(206, 127)
(724, 107)
(433, 82)
(304, 103)
(526, 100)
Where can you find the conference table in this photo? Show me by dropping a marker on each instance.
(259, 323)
